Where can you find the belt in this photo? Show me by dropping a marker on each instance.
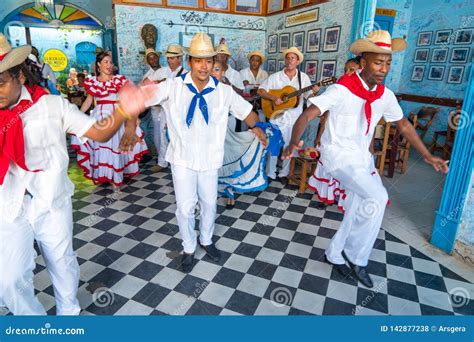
(102, 102)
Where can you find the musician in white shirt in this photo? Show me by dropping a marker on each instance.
(254, 75)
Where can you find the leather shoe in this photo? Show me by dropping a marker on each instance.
(341, 268)
(284, 181)
(211, 251)
(187, 262)
(360, 273)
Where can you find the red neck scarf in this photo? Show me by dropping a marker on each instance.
(355, 86)
(12, 144)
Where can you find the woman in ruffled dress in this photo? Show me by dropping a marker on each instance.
(104, 162)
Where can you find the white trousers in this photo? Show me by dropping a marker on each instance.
(366, 200)
(159, 134)
(52, 229)
(285, 124)
(190, 187)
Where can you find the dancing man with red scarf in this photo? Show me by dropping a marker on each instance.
(356, 104)
(35, 191)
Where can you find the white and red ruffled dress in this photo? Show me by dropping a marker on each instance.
(103, 162)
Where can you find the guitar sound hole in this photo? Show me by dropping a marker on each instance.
(284, 98)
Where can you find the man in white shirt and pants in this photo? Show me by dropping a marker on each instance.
(197, 108)
(290, 75)
(355, 105)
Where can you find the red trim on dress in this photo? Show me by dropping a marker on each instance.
(100, 89)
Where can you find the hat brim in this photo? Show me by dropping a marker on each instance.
(363, 45)
(15, 57)
(298, 53)
(206, 55)
(168, 55)
(262, 57)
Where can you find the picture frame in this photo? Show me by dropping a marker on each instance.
(311, 69)
(183, 3)
(439, 55)
(313, 40)
(272, 43)
(456, 73)
(328, 68)
(421, 55)
(424, 38)
(443, 37)
(460, 55)
(298, 40)
(417, 73)
(271, 66)
(281, 65)
(464, 36)
(274, 6)
(248, 6)
(284, 41)
(331, 39)
(222, 5)
(296, 3)
(185, 38)
(436, 72)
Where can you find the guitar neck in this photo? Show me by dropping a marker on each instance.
(303, 90)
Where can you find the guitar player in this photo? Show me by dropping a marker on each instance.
(290, 75)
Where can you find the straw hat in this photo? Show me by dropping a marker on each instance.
(148, 52)
(201, 46)
(223, 48)
(294, 50)
(378, 41)
(256, 53)
(174, 50)
(9, 57)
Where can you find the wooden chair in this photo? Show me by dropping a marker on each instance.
(425, 117)
(301, 179)
(380, 144)
(404, 147)
(446, 146)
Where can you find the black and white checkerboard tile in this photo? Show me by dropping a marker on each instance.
(272, 243)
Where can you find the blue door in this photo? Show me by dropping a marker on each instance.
(85, 54)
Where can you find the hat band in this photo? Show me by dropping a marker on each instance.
(172, 53)
(3, 56)
(383, 44)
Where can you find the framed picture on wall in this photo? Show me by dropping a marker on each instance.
(417, 73)
(455, 74)
(459, 55)
(424, 38)
(274, 6)
(421, 55)
(248, 6)
(281, 65)
(185, 38)
(294, 3)
(182, 3)
(311, 69)
(439, 55)
(284, 41)
(328, 68)
(442, 37)
(271, 66)
(217, 4)
(298, 40)
(312, 40)
(273, 43)
(436, 73)
(331, 38)
(464, 36)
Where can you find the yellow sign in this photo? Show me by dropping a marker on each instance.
(386, 12)
(302, 18)
(56, 59)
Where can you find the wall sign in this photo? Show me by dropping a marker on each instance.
(56, 59)
(302, 18)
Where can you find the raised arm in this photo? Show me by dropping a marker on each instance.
(87, 103)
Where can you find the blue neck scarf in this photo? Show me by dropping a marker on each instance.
(198, 96)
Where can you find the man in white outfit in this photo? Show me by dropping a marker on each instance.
(35, 191)
(290, 75)
(174, 57)
(355, 106)
(254, 75)
(197, 108)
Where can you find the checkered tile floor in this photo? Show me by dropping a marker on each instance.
(273, 243)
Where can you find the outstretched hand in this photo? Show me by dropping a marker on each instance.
(288, 152)
(132, 99)
(439, 164)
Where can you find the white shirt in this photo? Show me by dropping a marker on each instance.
(45, 125)
(344, 141)
(234, 77)
(200, 146)
(166, 72)
(279, 80)
(150, 74)
(247, 75)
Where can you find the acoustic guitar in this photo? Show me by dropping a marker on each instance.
(290, 97)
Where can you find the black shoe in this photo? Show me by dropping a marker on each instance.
(230, 206)
(342, 269)
(187, 262)
(211, 251)
(360, 273)
(284, 181)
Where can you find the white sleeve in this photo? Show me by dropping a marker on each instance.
(160, 92)
(243, 75)
(238, 81)
(306, 82)
(268, 83)
(74, 121)
(392, 112)
(239, 107)
(327, 100)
